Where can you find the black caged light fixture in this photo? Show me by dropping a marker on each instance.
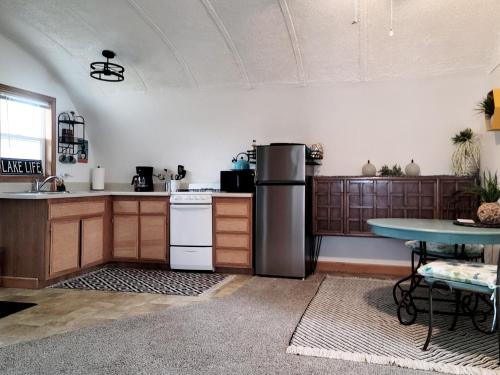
(107, 71)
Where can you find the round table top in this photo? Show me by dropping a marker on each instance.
(431, 230)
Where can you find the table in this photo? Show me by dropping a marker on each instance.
(430, 230)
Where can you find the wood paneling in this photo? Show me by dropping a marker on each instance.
(64, 246)
(374, 270)
(125, 206)
(232, 258)
(233, 225)
(153, 237)
(226, 240)
(154, 207)
(92, 241)
(235, 207)
(342, 205)
(328, 206)
(126, 236)
(79, 208)
(233, 232)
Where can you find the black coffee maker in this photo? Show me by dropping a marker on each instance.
(143, 180)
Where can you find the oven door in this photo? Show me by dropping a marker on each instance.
(190, 225)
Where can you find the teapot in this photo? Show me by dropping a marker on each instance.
(241, 163)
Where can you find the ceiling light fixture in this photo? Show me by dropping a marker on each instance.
(107, 71)
(391, 30)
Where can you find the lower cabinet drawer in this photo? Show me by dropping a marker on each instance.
(240, 241)
(232, 257)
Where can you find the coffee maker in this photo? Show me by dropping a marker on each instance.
(143, 180)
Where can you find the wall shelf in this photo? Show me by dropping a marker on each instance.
(70, 133)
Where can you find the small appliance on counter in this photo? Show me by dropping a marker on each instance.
(143, 180)
(238, 181)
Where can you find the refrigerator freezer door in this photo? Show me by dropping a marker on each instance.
(281, 164)
(280, 231)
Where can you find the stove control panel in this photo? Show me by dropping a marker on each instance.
(190, 198)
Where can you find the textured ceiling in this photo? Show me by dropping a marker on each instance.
(252, 43)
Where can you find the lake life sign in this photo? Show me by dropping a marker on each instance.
(20, 167)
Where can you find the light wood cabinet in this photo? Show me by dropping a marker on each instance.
(92, 241)
(77, 235)
(233, 232)
(125, 237)
(140, 229)
(64, 246)
(153, 235)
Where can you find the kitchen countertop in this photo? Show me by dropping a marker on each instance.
(85, 194)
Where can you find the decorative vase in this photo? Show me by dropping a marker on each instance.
(465, 159)
(369, 170)
(412, 169)
(489, 213)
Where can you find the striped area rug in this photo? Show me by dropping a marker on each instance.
(355, 319)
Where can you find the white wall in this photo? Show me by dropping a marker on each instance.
(19, 69)
(386, 122)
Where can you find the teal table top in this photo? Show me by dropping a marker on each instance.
(430, 230)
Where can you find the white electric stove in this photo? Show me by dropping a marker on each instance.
(191, 229)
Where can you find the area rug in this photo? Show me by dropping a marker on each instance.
(355, 319)
(138, 280)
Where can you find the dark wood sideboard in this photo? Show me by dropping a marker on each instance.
(343, 204)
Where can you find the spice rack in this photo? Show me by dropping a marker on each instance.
(70, 133)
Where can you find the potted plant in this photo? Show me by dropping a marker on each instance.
(465, 159)
(487, 108)
(395, 171)
(489, 194)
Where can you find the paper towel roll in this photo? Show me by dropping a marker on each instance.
(98, 178)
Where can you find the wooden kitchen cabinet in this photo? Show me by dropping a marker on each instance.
(77, 235)
(126, 236)
(140, 229)
(64, 247)
(233, 230)
(92, 241)
(153, 236)
(342, 205)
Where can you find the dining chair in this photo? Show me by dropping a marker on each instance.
(463, 276)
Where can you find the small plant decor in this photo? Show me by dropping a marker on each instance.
(488, 191)
(489, 194)
(465, 159)
(487, 106)
(395, 171)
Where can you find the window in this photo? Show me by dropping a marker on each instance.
(27, 127)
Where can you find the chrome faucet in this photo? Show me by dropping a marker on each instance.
(38, 185)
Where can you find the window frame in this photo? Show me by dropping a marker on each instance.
(50, 136)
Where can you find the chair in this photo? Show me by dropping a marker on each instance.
(459, 275)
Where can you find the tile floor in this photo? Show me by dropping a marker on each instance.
(63, 310)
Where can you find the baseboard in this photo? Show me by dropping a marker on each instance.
(18, 282)
(363, 269)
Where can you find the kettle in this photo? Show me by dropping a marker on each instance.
(241, 163)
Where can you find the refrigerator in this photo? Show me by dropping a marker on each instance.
(284, 243)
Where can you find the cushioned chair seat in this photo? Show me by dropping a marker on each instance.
(446, 249)
(461, 271)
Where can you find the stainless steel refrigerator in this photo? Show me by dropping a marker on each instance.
(283, 237)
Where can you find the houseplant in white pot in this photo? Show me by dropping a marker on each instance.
(465, 159)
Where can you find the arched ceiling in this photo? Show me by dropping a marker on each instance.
(252, 43)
